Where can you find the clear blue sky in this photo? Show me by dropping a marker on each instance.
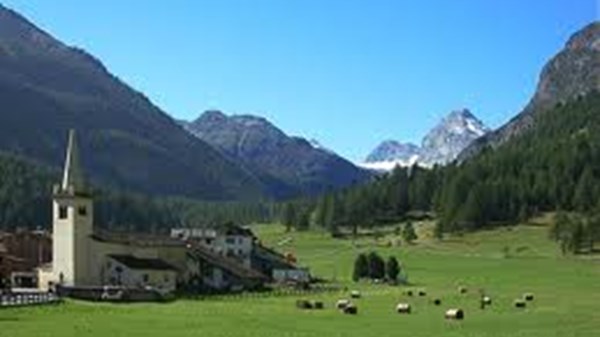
(349, 73)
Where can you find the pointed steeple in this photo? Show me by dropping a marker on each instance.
(73, 181)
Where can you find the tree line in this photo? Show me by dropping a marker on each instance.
(553, 166)
(372, 266)
(26, 202)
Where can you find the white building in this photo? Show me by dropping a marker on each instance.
(83, 257)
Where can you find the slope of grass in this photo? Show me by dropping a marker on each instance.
(566, 288)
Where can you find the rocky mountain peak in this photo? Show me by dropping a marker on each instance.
(211, 116)
(587, 38)
(441, 145)
(391, 150)
(572, 72)
(15, 27)
(288, 165)
(445, 141)
(463, 121)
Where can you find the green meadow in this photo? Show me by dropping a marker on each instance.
(505, 263)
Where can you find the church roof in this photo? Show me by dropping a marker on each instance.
(73, 179)
(133, 262)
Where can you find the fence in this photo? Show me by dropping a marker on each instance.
(27, 299)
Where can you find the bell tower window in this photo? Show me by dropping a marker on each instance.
(63, 212)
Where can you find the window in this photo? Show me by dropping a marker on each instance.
(230, 241)
(146, 278)
(63, 212)
(82, 210)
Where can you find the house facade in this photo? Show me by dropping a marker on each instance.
(85, 257)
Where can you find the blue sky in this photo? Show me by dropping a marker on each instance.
(349, 73)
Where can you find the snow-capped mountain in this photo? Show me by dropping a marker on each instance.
(452, 135)
(441, 145)
(390, 154)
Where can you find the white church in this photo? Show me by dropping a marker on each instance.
(83, 257)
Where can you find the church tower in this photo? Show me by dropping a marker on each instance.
(73, 216)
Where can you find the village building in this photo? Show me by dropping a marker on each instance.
(84, 257)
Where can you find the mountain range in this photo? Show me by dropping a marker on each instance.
(48, 87)
(290, 166)
(440, 146)
(128, 142)
(574, 71)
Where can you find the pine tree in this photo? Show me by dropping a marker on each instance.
(376, 266)
(330, 215)
(361, 268)
(408, 233)
(584, 192)
(392, 269)
(288, 216)
(320, 212)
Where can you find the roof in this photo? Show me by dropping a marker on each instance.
(230, 229)
(226, 263)
(133, 262)
(136, 239)
(73, 179)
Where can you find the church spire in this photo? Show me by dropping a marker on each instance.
(73, 182)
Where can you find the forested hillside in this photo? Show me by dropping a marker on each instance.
(555, 165)
(47, 88)
(26, 191)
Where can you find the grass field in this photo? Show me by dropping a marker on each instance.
(506, 263)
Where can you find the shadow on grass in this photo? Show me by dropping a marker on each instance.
(9, 319)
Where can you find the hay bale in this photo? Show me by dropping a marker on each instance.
(456, 314)
(422, 293)
(462, 290)
(520, 303)
(351, 309)
(318, 305)
(437, 301)
(342, 304)
(303, 304)
(403, 308)
(355, 294)
(486, 300)
(528, 297)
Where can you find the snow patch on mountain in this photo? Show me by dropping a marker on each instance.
(440, 146)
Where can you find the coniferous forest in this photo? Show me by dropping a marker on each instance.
(554, 166)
